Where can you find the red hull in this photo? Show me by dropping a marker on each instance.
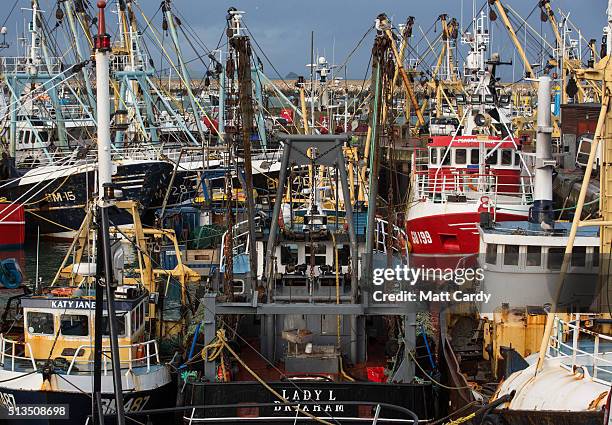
(449, 234)
(12, 225)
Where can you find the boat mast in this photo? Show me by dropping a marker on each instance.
(39, 39)
(312, 88)
(70, 13)
(379, 51)
(102, 46)
(169, 17)
(542, 211)
(242, 46)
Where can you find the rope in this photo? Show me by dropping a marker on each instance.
(10, 13)
(467, 387)
(51, 221)
(221, 339)
(462, 420)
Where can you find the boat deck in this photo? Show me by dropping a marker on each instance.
(251, 355)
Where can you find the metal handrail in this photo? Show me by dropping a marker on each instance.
(131, 362)
(578, 357)
(469, 184)
(16, 64)
(397, 237)
(12, 355)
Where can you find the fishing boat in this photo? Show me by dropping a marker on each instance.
(290, 327)
(56, 196)
(49, 363)
(469, 167)
(522, 260)
(50, 166)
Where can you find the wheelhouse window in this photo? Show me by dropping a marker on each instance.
(511, 255)
(40, 323)
(506, 157)
(289, 254)
(555, 258)
(491, 257)
(579, 256)
(596, 256)
(491, 157)
(534, 256)
(474, 156)
(445, 157)
(121, 318)
(74, 325)
(460, 156)
(433, 156)
(319, 252)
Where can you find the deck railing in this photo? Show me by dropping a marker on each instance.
(13, 348)
(473, 186)
(15, 65)
(587, 352)
(399, 238)
(150, 356)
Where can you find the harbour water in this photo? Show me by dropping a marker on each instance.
(47, 259)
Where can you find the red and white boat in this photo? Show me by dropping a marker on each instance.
(12, 225)
(471, 164)
(453, 187)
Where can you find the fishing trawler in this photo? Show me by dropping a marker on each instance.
(290, 322)
(523, 275)
(57, 195)
(51, 167)
(471, 167)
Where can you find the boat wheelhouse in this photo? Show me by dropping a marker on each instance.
(521, 264)
(457, 179)
(472, 162)
(49, 359)
(47, 348)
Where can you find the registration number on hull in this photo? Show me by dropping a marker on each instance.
(421, 238)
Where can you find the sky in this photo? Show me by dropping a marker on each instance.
(282, 28)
